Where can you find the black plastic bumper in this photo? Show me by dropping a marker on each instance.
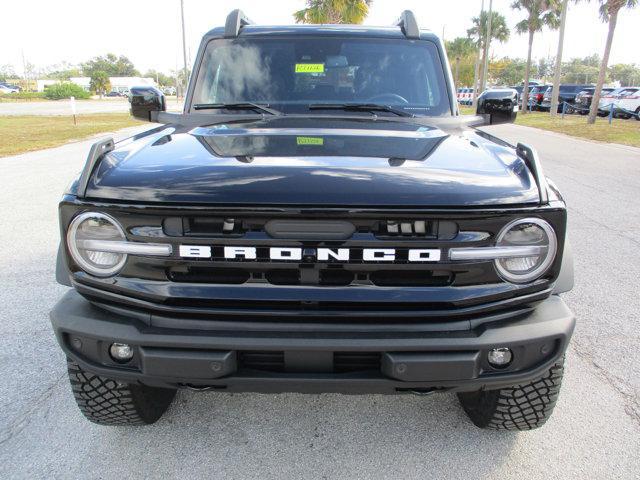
(347, 357)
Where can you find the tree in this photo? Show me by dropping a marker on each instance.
(581, 70)
(507, 71)
(100, 83)
(540, 13)
(333, 11)
(162, 78)
(544, 68)
(609, 10)
(555, 92)
(6, 72)
(457, 49)
(112, 65)
(499, 32)
(62, 71)
(627, 74)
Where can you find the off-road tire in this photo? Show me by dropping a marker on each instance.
(520, 407)
(108, 402)
(638, 113)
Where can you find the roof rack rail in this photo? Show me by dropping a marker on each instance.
(531, 159)
(235, 21)
(408, 24)
(98, 150)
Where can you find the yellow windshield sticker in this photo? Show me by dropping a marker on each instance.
(309, 67)
(310, 140)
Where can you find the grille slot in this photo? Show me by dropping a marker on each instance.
(259, 360)
(343, 362)
(203, 227)
(347, 362)
(283, 277)
(428, 229)
(228, 276)
(410, 278)
(329, 277)
(336, 278)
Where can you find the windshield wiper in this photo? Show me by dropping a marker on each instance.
(360, 107)
(236, 106)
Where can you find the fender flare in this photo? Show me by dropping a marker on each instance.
(62, 269)
(565, 280)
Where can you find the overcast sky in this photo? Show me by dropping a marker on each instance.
(148, 32)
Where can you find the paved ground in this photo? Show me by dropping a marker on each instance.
(595, 432)
(62, 107)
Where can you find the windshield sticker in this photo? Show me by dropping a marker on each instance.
(310, 140)
(309, 67)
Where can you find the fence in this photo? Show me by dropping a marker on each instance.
(613, 108)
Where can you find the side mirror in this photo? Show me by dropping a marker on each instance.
(146, 102)
(501, 105)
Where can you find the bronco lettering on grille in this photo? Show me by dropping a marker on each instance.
(312, 254)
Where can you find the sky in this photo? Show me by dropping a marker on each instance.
(149, 32)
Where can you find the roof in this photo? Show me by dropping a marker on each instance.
(328, 30)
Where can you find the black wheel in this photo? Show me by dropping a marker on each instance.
(108, 402)
(520, 407)
(638, 113)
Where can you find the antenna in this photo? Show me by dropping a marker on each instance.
(235, 21)
(408, 24)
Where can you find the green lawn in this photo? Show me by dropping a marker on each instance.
(21, 134)
(625, 132)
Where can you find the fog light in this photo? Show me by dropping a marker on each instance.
(500, 357)
(121, 352)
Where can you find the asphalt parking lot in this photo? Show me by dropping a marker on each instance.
(594, 433)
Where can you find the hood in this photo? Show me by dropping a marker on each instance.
(315, 162)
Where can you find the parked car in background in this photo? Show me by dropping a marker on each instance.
(623, 100)
(4, 89)
(11, 86)
(584, 97)
(519, 89)
(568, 92)
(169, 90)
(536, 95)
(629, 101)
(114, 93)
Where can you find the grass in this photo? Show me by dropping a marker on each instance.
(625, 132)
(27, 133)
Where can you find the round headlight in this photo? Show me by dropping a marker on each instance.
(527, 232)
(85, 233)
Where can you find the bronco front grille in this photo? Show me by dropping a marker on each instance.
(215, 286)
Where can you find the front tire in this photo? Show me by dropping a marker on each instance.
(519, 407)
(108, 402)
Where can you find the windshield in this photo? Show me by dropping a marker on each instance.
(289, 74)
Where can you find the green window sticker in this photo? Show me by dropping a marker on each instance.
(309, 67)
(310, 140)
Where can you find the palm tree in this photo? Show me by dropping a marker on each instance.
(457, 49)
(540, 13)
(558, 68)
(499, 32)
(333, 11)
(609, 13)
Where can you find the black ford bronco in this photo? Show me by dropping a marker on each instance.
(319, 218)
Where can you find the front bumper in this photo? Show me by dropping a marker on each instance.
(343, 357)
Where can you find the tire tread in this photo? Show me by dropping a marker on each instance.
(519, 407)
(108, 402)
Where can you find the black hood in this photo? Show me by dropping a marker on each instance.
(315, 162)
